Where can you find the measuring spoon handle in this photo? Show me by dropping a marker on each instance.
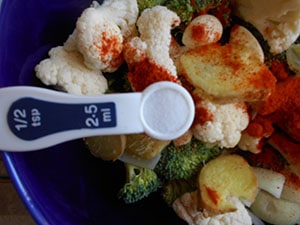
(34, 118)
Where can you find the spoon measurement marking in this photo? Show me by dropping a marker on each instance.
(31, 118)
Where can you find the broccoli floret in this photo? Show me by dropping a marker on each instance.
(185, 9)
(140, 183)
(184, 161)
(143, 4)
(176, 188)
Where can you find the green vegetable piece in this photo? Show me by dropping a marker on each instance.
(174, 189)
(183, 9)
(184, 161)
(143, 4)
(186, 9)
(140, 183)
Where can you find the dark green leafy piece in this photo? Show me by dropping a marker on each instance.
(140, 183)
(184, 161)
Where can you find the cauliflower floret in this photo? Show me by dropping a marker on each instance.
(186, 208)
(277, 20)
(253, 136)
(100, 32)
(66, 70)
(250, 143)
(123, 12)
(135, 51)
(99, 40)
(154, 26)
(223, 124)
(148, 56)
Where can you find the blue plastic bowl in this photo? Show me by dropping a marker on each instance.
(64, 184)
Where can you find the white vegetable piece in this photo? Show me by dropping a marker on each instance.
(249, 143)
(270, 181)
(293, 58)
(66, 70)
(99, 40)
(277, 20)
(291, 191)
(101, 30)
(123, 12)
(228, 121)
(155, 25)
(275, 211)
(202, 30)
(187, 208)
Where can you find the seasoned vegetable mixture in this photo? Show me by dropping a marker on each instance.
(240, 61)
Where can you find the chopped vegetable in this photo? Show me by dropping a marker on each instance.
(174, 189)
(142, 146)
(183, 9)
(144, 4)
(186, 9)
(109, 147)
(184, 161)
(231, 56)
(224, 177)
(140, 183)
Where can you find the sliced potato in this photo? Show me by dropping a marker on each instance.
(224, 177)
(227, 73)
(270, 181)
(106, 147)
(141, 146)
(275, 211)
(239, 35)
(202, 30)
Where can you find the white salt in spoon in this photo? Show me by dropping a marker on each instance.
(34, 118)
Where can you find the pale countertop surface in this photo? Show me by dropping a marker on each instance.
(12, 209)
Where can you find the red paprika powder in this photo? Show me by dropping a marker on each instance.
(145, 72)
(283, 106)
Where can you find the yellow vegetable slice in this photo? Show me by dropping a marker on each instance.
(106, 147)
(227, 73)
(225, 177)
(141, 146)
(240, 35)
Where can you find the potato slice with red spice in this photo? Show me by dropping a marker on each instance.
(202, 30)
(239, 35)
(228, 72)
(224, 177)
